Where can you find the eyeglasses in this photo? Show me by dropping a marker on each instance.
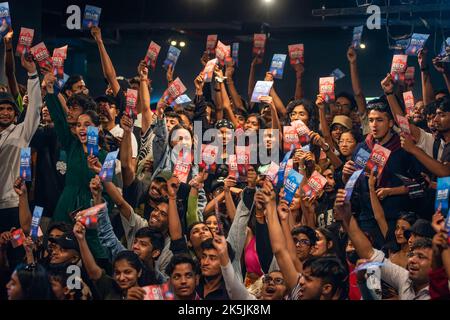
(277, 281)
(342, 106)
(303, 242)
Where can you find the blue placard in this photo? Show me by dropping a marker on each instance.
(277, 65)
(361, 158)
(91, 17)
(107, 172)
(442, 193)
(417, 42)
(283, 164)
(37, 214)
(262, 88)
(92, 141)
(351, 184)
(25, 164)
(357, 35)
(337, 74)
(5, 19)
(445, 50)
(293, 181)
(172, 57)
(235, 53)
(183, 99)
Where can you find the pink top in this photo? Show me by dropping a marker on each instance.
(251, 258)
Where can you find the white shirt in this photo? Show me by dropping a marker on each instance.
(117, 132)
(426, 142)
(398, 278)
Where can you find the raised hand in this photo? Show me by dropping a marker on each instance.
(387, 84)
(220, 243)
(283, 210)
(96, 187)
(7, 39)
(169, 74)
(351, 55)
(96, 33)
(19, 187)
(143, 70)
(372, 180)
(94, 164)
(251, 177)
(199, 83)
(79, 231)
(320, 102)
(229, 71)
(136, 293)
(438, 221)
(422, 58)
(349, 168)
(439, 65)
(268, 77)
(299, 69)
(341, 210)
(126, 123)
(407, 143)
(172, 187)
(229, 182)
(28, 63)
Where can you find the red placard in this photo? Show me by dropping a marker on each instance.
(326, 88)
(25, 41)
(152, 54)
(259, 44)
(296, 53)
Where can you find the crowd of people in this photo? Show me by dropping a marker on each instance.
(226, 231)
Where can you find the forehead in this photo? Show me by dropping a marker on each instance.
(163, 206)
(198, 227)
(79, 83)
(377, 114)
(172, 119)
(343, 100)
(210, 252)
(6, 106)
(183, 268)
(84, 117)
(327, 172)
(122, 265)
(424, 251)
(276, 274)
(212, 218)
(347, 135)
(301, 236)
(299, 108)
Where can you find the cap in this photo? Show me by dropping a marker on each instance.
(164, 175)
(224, 123)
(106, 98)
(422, 228)
(343, 121)
(66, 241)
(7, 98)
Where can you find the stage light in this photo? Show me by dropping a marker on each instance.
(173, 43)
(267, 1)
(182, 44)
(362, 46)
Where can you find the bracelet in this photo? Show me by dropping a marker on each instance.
(389, 93)
(217, 90)
(172, 198)
(144, 80)
(34, 76)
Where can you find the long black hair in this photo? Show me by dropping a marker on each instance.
(313, 123)
(34, 281)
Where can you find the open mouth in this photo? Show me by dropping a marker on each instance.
(270, 290)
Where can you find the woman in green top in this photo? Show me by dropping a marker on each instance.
(76, 194)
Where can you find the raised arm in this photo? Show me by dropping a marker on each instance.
(175, 229)
(434, 166)
(229, 202)
(93, 270)
(108, 68)
(218, 93)
(126, 151)
(427, 87)
(144, 95)
(320, 103)
(299, 70)
(235, 97)
(443, 69)
(33, 114)
(125, 209)
(24, 210)
(277, 238)
(356, 83)
(251, 77)
(10, 66)
(279, 105)
(227, 105)
(378, 210)
(342, 212)
(388, 87)
(283, 213)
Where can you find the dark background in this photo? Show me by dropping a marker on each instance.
(129, 26)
